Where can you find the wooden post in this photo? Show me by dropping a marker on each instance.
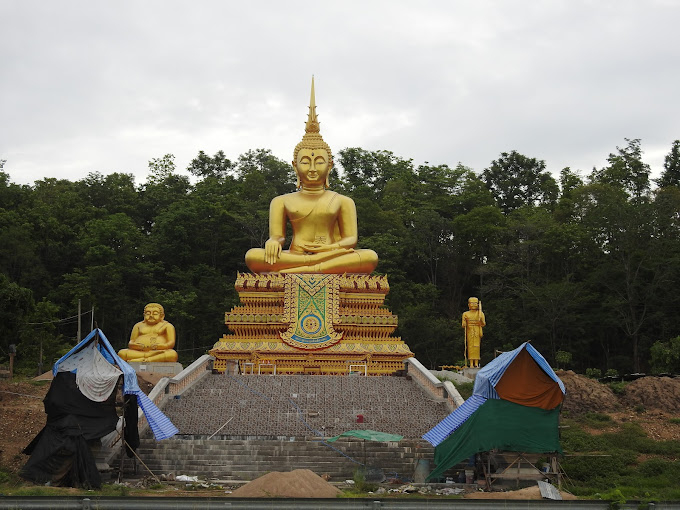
(11, 364)
(80, 329)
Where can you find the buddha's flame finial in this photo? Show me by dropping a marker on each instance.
(312, 125)
(312, 138)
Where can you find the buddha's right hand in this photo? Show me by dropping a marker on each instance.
(272, 251)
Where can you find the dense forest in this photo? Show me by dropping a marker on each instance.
(586, 266)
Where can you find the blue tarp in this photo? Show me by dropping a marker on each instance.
(484, 388)
(160, 425)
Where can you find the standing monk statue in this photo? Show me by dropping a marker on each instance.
(473, 322)
(324, 223)
(152, 339)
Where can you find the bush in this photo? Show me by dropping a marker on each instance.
(593, 373)
(562, 359)
(360, 483)
(617, 387)
(666, 356)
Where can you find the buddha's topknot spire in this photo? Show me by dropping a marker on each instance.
(312, 137)
(312, 122)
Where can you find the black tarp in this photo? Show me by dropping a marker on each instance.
(62, 452)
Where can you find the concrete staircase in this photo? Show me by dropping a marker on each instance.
(275, 407)
(233, 459)
(239, 427)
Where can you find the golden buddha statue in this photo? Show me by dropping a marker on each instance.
(324, 222)
(473, 322)
(152, 339)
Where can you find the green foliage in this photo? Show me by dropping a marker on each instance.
(671, 167)
(593, 373)
(5, 476)
(615, 496)
(563, 359)
(465, 389)
(666, 356)
(584, 268)
(618, 387)
(114, 489)
(516, 180)
(597, 464)
(360, 483)
(596, 420)
(612, 372)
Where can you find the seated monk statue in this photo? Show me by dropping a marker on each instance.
(152, 339)
(324, 222)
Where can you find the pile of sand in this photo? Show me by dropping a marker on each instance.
(526, 493)
(662, 393)
(301, 483)
(585, 394)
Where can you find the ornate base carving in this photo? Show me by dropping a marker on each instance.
(311, 324)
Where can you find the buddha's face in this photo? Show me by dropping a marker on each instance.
(312, 166)
(153, 315)
(473, 304)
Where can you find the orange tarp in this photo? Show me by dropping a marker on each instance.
(525, 383)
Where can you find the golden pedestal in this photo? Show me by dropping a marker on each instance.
(311, 324)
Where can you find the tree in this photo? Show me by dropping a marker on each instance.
(217, 166)
(629, 263)
(626, 170)
(671, 167)
(516, 180)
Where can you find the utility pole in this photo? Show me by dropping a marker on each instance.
(80, 329)
(12, 353)
(40, 362)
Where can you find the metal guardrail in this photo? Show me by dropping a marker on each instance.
(225, 503)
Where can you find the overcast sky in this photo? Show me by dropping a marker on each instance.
(106, 86)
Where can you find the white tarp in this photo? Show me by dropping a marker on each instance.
(96, 378)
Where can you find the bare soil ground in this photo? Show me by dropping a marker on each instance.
(22, 416)
(649, 401)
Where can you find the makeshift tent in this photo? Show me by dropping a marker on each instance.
(514, 407)
(80, 408)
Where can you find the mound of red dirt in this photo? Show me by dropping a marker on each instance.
(661, 393)
(586, 395)
(300, 483)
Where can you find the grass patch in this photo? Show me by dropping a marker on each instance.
(596, 420)
(38, 383)
(596, 465)
(675, 421)
(37, 490)
(618, 387)
(114, 489)
(465, 389)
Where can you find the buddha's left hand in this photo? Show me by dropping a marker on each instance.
(318, 248)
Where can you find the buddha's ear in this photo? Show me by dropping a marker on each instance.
(327, 184)
(297, 175)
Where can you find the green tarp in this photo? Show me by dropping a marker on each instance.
(501, 425)
(369, 435)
